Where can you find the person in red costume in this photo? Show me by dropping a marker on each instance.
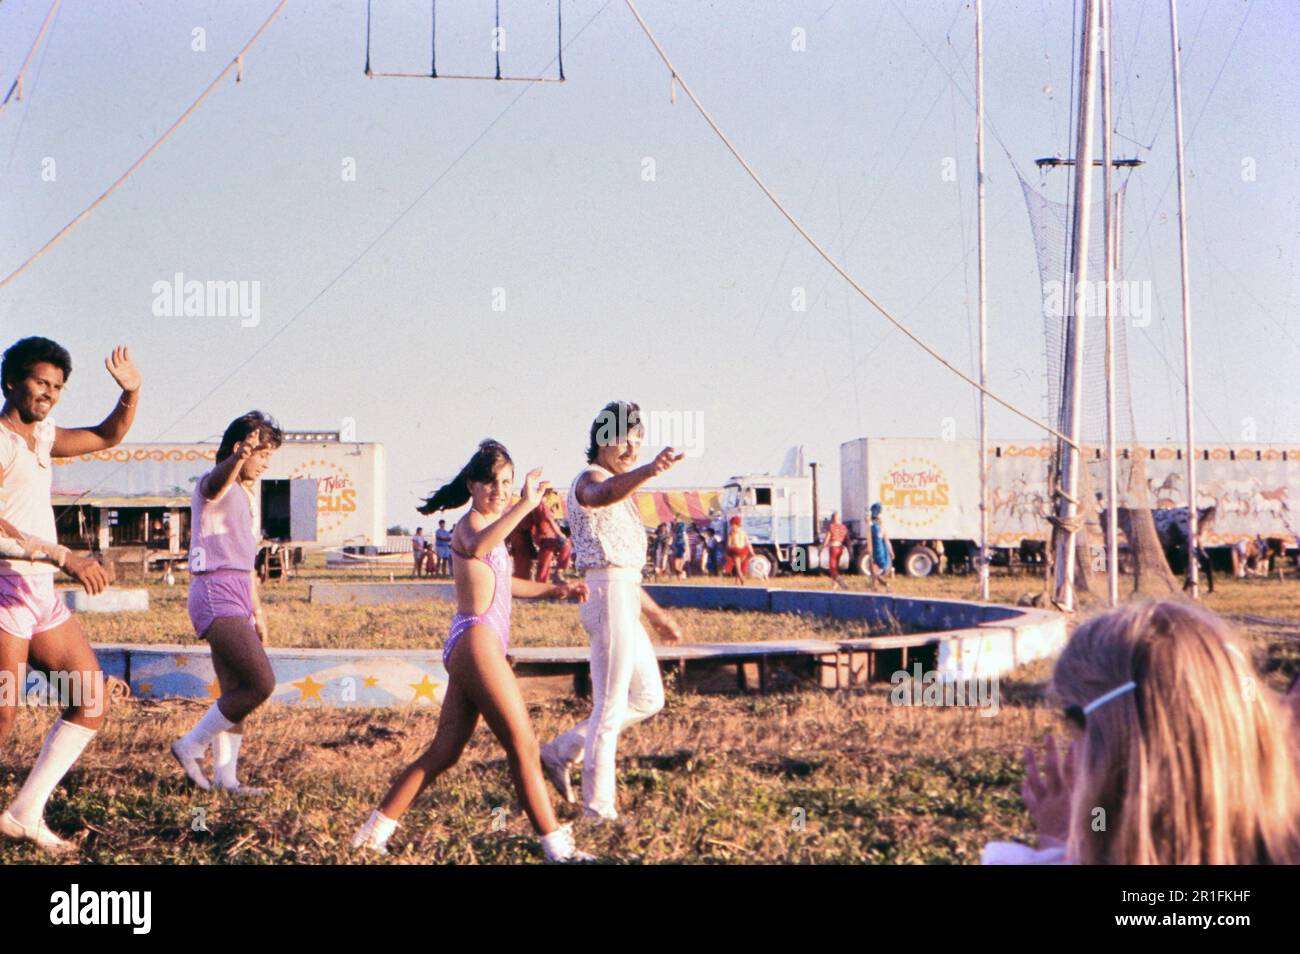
(520, 545)
(739, 551)
(549, 540)
(833, 548)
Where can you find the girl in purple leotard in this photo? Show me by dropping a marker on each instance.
(480, 680)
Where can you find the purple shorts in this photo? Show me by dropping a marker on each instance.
(217, 594)
(30, 605)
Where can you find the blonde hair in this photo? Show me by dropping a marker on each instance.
(1197, 764)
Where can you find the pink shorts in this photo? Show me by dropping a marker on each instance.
(30, 605)
(217, 594)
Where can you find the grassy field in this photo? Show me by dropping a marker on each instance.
(807, 776)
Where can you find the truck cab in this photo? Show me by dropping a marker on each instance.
(777, 515)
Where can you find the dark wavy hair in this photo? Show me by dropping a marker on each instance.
(254, 422)
(615, 421)
(21, 356)
(490, 457)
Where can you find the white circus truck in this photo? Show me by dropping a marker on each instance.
(929, 492)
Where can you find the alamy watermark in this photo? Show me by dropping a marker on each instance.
(935, 688)
(1132, 300)
(681, 430)
(66, 689)
(178, 298)
(131, 909)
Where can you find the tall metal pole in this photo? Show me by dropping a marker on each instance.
(1112, 474)
(1067, 503)
(1192, 568)
(983, 312)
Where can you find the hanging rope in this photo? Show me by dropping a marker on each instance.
(63, 232)
(496, 39)
(16, 90)
(272, 338)
(368, 5)
(826, 256)
(496, 42)
(559, 36)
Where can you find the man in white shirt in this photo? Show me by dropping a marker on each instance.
(34, 623)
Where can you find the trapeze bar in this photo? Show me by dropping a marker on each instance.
(1054, 161)
(456, 76)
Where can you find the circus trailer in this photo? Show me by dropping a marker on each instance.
(928, 490)
(929, 493)
(317, 490)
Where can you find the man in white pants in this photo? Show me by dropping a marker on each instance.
(609, 544)
(34, 624)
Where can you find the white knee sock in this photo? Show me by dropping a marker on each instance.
(376, 831)
(63, 746)
(197, 739)
(225, 758)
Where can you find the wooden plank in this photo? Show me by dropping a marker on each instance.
(913, 641)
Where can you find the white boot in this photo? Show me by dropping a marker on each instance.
(38, 834)
(559, 848)
(374, 834)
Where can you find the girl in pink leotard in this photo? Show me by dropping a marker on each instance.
(497, 615)
(480, 680)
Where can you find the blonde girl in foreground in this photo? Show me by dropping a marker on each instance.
(480, 680)
(1181, 754)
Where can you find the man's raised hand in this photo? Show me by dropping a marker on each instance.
(123, 369)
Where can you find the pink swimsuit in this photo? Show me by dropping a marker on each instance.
(497, 615)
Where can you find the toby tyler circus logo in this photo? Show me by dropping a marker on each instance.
(915, 491)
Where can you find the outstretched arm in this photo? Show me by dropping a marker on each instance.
(17, 545)
(71, 441)
(531, 590)
(219, 478)
(597, 490)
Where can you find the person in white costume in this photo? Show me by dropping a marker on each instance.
(34, 623)
(609, 543)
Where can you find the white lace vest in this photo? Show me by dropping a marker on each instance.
(605, 536)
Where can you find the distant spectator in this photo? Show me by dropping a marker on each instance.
(712, 552)
(681, 550)
(418, 544)
(442, 548)
(663, 548)
(699, 552)
(882, 551)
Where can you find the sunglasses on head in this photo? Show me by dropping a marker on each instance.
(1077, 715)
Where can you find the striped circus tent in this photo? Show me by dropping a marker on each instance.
(698, 506)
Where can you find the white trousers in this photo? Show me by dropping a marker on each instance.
(626, 687)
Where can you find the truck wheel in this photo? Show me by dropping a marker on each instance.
(920, 561)
(862, 562)
(762, 565)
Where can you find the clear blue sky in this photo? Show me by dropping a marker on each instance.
(675, 293)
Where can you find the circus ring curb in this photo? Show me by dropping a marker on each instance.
(971, 639)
